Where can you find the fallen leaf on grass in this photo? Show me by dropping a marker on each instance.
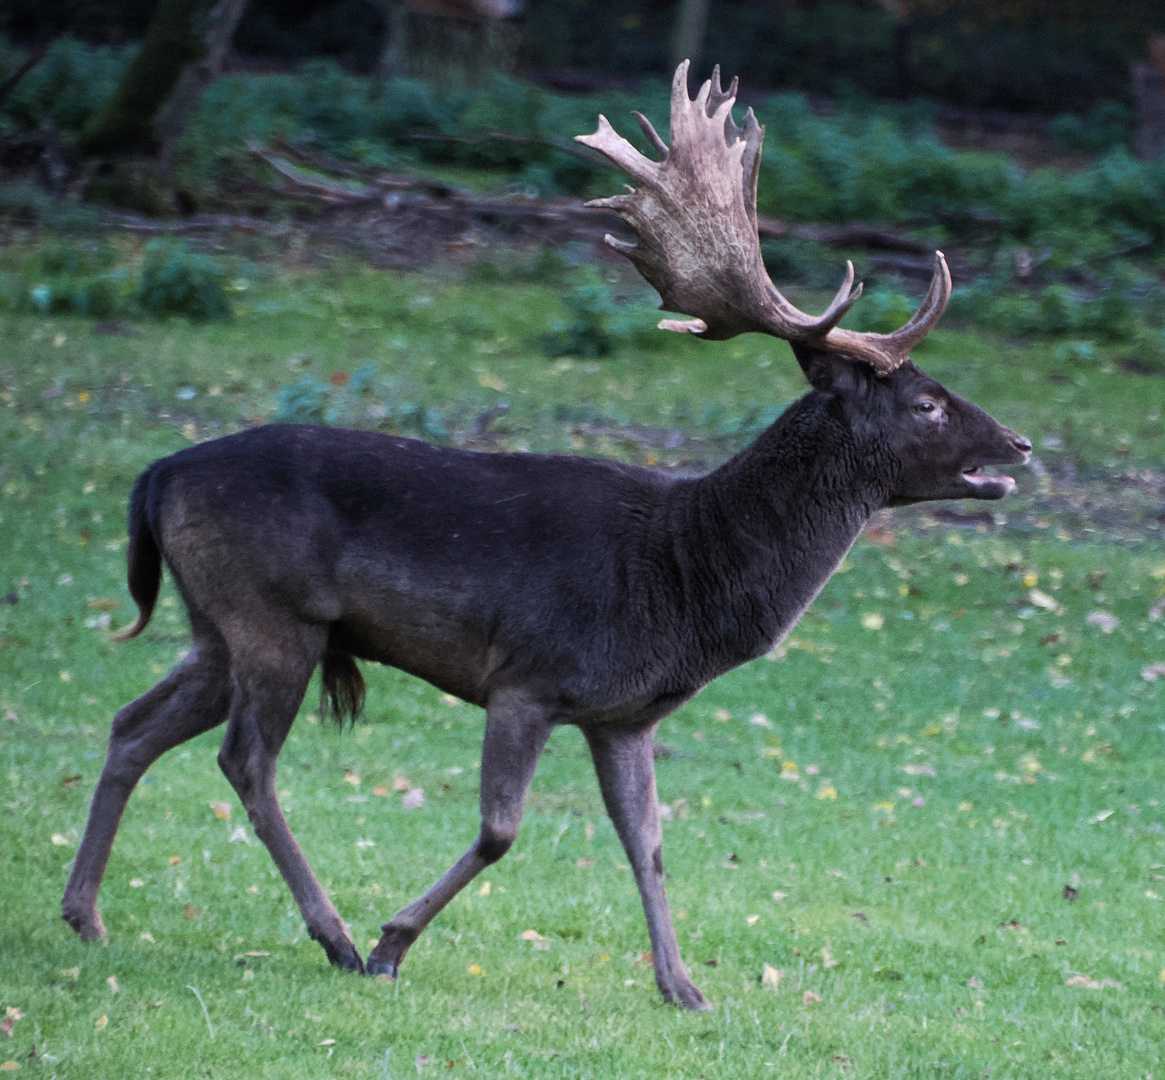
(147, 936)
(239, 836)
(113, 985)
(752, 920)
(770, 976)
(221, 810)
(915, 768)
(1040, 599)
(136, 883)
(760, 720)
(485, 890)
(9, 1066)
(401, 784)
(1085, 982)
(475, 969)
(872, 620)
(778, 896)
(414, 799)
(328, 1042)
(1153, 672)
(584, 862)
(70, 782)
(1069, 893)
(975, 983)
(1157, 610)
(1104, 620)
(836, 873)
(1104, 815)
(351, 778)
(381, 791)
(100, 1022)
(60, 840)
(6, 1026)
(810, 998)
(191, 912)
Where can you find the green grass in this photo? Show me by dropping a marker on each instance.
(1044, 740)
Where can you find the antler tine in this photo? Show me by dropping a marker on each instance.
(930, 311)
(652, 135)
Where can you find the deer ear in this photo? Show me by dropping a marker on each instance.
(827, 371)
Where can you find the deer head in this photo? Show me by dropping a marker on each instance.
(694, 214)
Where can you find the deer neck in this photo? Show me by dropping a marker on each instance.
(772, 524)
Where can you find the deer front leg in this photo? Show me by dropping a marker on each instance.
(625, 764)
(516, 730)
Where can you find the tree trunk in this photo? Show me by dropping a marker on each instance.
(183, 100)
(688, 40)
(394, 50)
(173, 40)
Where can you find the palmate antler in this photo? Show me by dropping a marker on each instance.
(694, 214)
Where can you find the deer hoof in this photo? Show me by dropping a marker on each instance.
(386, 958)
(687, 995)
(342, 954)
(88, 924)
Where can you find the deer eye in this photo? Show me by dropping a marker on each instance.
(925, 407)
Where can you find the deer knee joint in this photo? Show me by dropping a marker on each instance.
(493, 843)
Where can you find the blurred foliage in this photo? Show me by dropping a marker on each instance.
(176, 281)
(90, 278)
(599, 323)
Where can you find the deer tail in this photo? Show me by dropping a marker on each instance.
(342, 687)
(143, 559)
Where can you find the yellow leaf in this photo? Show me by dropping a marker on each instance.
(1030, 581)
(221, 810)
(100, 1022)
(770, 976)
(60, 840)
(13, 1013)
(827, 791)
(475, 969)
(964, 806)
(175, 860)
(485, 890)
(9, 1066)
(752, 920)
(66, 676)
(351, 778)
(872, 620)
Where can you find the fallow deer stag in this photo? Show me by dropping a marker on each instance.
(547, 590)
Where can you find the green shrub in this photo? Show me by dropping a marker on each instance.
(600, 324)
(1106, 126)
(177, 282)
(67, 86)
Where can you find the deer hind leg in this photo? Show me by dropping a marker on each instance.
(270, 679)
(516, 730)
(193, 698)
(626, 769)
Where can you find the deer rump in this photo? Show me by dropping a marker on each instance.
(548, 590)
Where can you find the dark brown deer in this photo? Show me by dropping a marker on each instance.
(547, 590)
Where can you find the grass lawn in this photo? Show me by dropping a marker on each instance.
(935, 814)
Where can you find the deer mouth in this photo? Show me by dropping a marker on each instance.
(985, 486)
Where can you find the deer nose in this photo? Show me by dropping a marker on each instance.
(1021, 443)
